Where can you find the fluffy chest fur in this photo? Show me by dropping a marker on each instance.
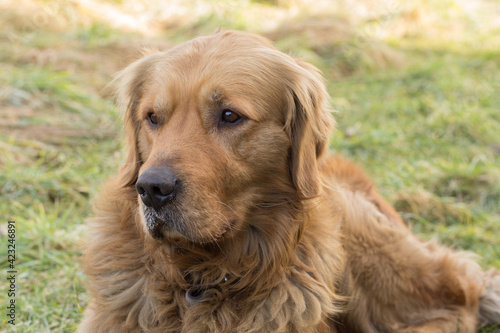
(253, 293)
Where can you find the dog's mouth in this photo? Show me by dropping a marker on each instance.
(165, 225)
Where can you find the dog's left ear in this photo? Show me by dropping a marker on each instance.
(308, 126)
(128, 85)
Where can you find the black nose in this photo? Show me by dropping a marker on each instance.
(157, 186)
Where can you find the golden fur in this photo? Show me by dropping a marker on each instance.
(278, 235)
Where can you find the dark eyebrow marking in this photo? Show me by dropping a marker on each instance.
(216, 95)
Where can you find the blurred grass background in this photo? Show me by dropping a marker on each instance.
(416, 83)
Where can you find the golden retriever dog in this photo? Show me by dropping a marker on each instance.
(229, 215)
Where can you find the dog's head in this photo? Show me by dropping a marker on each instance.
(215, 126)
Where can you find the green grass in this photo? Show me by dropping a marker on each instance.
(429, 136)
(419, 109)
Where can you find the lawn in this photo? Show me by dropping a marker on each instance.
(416, 87)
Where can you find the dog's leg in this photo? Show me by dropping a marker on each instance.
(397, 282)
(456, 319)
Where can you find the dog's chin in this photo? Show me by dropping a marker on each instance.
(162, 225)
(167, 226)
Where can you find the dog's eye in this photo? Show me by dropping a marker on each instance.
(230, 117)
(153, 119)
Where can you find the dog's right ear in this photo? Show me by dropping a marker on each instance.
(129, 86)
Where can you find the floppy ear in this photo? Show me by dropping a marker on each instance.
(308, 125)
(129, 85)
